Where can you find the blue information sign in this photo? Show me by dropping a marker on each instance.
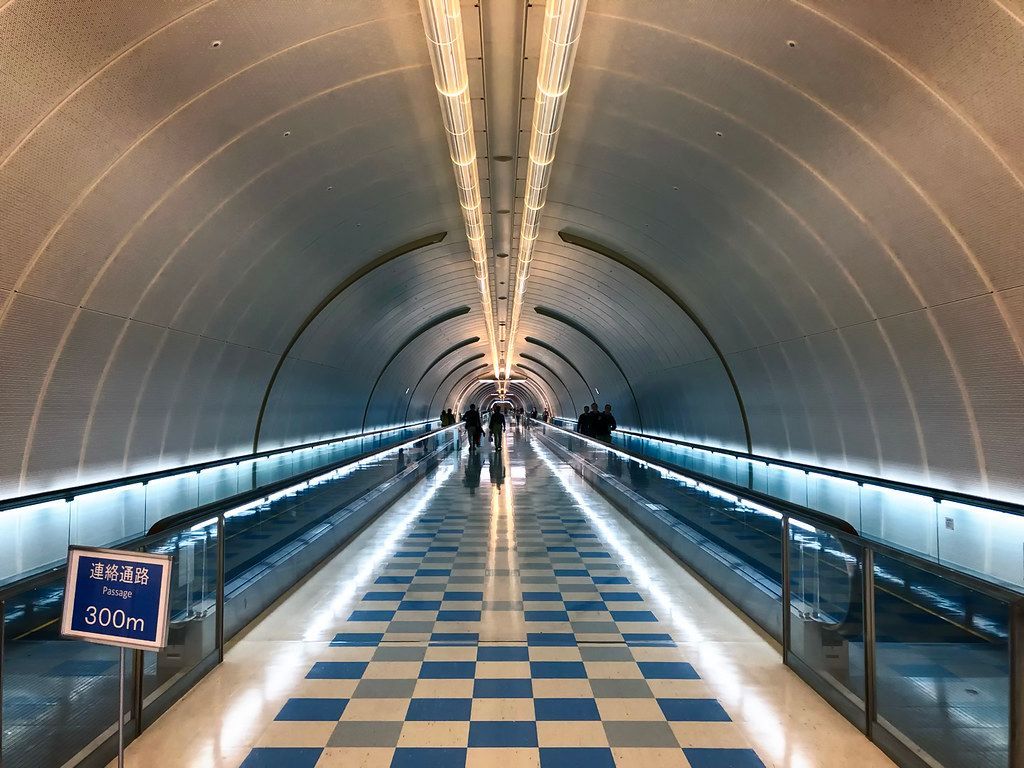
(117, 598)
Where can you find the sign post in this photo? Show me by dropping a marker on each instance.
(119, 598)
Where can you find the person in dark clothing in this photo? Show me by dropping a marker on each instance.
(474, 426)
(444, 419)
(583, 423)
(604, 424)
(547, 416)
(496, 426)
(451, 418)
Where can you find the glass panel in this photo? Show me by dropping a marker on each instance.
(905, 520)
(33, 536)
(169, 496)
(105, 518)
(827, 611)
(722, 466)
(217, 483)
(193, 629)
(834, 496)
(982, 540)
(59, 695)
(788, 483)
(942, 666)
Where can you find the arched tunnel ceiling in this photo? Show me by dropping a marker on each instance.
(835, 189)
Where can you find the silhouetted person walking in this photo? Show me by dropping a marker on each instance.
(474, 426)
(496, 425)
(585, 421)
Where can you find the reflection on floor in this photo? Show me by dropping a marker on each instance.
(513, 622)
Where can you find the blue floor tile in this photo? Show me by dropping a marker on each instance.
(502, 688)
(542, 597)
(411, 554)
(454, 638)
(572, 572)
(371, 616)
(384, 596)
(722, 758)
(545, 616)
(419, 605)
(393, 580)
(557, 639)
(503, 653)
(458, 615)
(439, 709)
(642, 639)
(667, 670)
(337, 670)
(585, 605)
(611, 580)
(628, 616)
(464, 596)
(282, 757)
(312, 709)
(357, 639)
(596, 555)
(429, 757)
(434, 572)
(448, 670)
(693, 710)
(621, 597)
(561, 549)
(566, 709)
(547, 670)
(505, 733)
(576, 757)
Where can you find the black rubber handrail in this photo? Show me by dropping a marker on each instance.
(188, 518)
(979, 582)
(938, 494)
(812, 516)
(66, 494)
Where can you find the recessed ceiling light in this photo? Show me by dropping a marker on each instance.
(215, 44)
(791, 43)
(503, 211)
(502, 298)
(501, 256)
(287, 133)
(330, 188)
(503, 158)
(718, 134)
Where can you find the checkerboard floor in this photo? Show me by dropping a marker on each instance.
(502, 631)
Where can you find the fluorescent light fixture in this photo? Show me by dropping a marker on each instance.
(563, 20)
(442, 23)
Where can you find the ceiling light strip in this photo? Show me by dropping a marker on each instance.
(442, 23)
(563, 20)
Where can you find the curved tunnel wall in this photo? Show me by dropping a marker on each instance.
(835, 189)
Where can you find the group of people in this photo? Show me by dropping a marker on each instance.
(474, 422)
(596, 423)
(448, 419)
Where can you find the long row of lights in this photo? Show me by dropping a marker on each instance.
(563, 20)
(442, 23)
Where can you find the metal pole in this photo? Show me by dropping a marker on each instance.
(220, 589)
(786, 596)
(120, 714)
(3, 632)
(1016, 685)
(870, 692)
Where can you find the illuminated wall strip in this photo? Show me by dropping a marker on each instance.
(563, 20)
(442, 23)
